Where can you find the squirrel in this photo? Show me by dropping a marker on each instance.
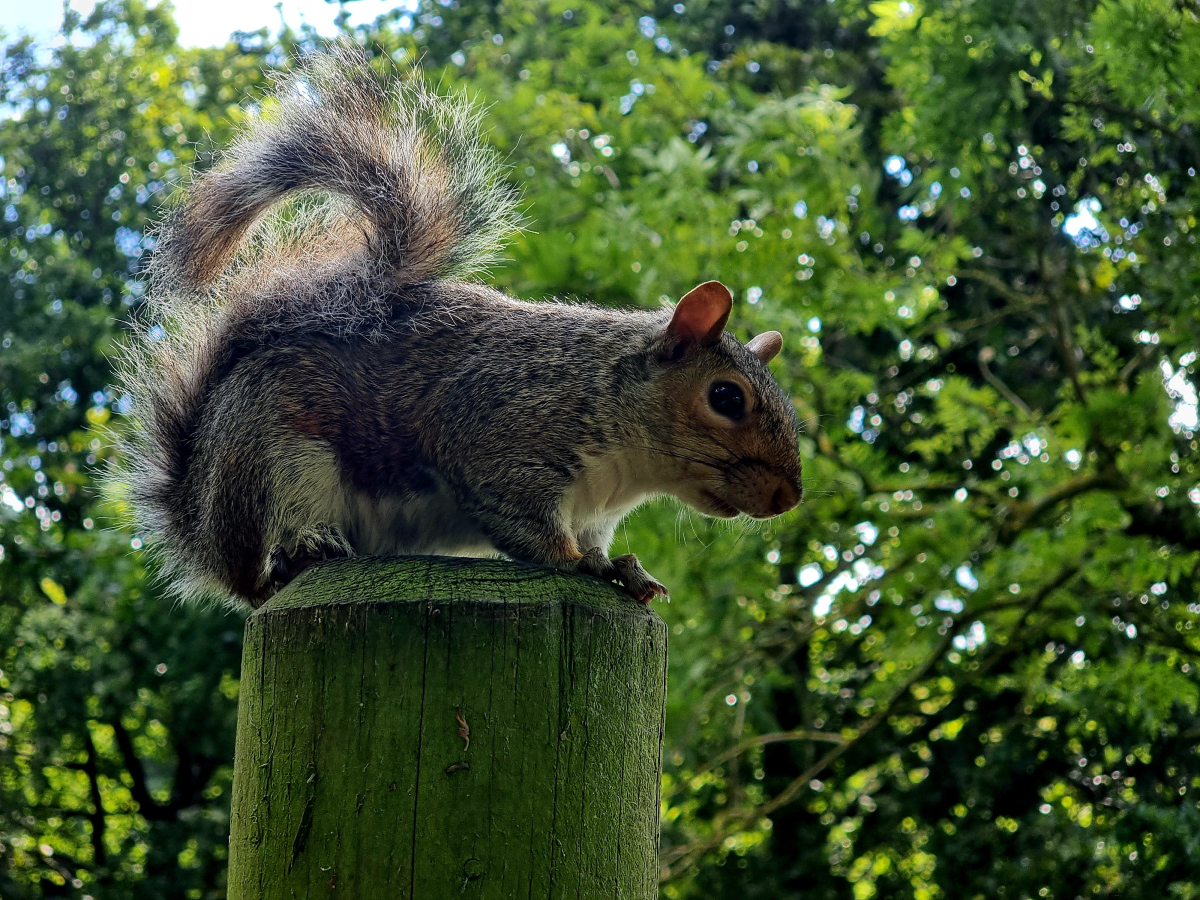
(317, 372)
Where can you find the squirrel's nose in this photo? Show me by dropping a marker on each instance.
(786, 496)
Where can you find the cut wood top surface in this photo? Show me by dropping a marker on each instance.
(442, 579)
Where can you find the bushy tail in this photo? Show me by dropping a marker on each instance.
(429, 195)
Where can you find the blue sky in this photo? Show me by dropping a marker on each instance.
(202, 22)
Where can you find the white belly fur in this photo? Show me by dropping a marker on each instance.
(309, 491)
(419, 524)
(607, 489)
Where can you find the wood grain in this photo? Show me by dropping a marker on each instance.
(352, 779)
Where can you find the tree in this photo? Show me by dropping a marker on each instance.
(117, 712)
(965, 667)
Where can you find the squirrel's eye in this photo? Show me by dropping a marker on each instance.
(727, 399)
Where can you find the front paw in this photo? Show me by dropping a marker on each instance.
(626, 570)
(640, 584)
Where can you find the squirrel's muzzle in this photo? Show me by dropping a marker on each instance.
(770, 493)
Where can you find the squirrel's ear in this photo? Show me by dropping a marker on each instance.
(701, 315)
(766, 346)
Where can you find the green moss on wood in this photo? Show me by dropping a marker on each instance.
(352, 779)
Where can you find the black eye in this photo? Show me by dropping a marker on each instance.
(727, 399)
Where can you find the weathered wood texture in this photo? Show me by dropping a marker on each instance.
(352, 780)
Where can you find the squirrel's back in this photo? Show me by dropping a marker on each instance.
(345, 193)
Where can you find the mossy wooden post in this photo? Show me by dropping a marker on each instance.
(352, 779)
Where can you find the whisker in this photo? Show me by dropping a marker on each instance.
(703, 546)
(719, 466)
(746, 526)
(720, 443)
(837, 482)
(693, 455)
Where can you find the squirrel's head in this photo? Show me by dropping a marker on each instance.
(732, 444)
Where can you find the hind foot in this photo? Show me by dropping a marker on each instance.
(312, 545)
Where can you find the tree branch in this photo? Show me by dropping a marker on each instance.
(788, 794)
(1011, 295)
(1139, 359)
(761, 740)
(97, 816)
(686, 853)
(1024, 513)
(1144, 119)
(1004, 389)
(150, 809)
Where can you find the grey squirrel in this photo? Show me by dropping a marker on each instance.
(317, 376)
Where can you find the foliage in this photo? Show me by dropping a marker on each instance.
(116, 721)
(966, 667)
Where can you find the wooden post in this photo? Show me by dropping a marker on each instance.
(361, 684)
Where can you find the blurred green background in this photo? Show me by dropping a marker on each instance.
(966, 667)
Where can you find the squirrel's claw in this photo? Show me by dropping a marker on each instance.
(636, 580)
(626, 569)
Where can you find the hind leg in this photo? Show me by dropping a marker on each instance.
(312, 545)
